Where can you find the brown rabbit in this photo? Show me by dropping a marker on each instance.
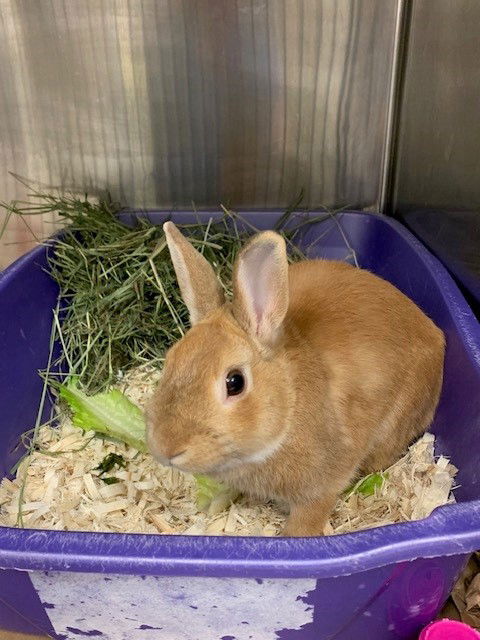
(314, 373)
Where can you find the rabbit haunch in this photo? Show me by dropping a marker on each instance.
(343, 372)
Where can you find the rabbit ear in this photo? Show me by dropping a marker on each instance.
(260, 286)
(201, 291)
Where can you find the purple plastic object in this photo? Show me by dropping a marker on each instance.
(454, 237)
(448, 630)
(385, 583)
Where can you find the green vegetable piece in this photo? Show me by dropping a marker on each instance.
(207, 490)
(109, 462)
(366, 486)
(110, 480)
(371, 483)
(110, 413)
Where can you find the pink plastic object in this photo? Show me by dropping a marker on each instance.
(448, 630)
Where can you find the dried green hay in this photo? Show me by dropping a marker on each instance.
(121, 306)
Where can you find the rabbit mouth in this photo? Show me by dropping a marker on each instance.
(237, 459)
(227, 461)
(216, 467)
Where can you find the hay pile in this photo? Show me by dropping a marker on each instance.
(121, 306)
(64, 491)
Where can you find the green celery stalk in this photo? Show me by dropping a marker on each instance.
(110, 413)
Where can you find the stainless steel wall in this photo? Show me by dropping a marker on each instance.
(438, 159)
(166, 102)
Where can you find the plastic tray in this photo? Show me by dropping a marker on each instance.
(383, 583)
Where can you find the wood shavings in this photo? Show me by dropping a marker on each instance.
(161, 524)
(464, 602)
(473, 597)
(64, 491)
(413, 487)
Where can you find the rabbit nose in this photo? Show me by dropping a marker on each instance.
(163, 453)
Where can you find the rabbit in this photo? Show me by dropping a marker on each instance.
(314, 373)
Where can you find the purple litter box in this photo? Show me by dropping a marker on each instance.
(382, 584)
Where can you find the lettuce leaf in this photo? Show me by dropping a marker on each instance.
(367, 485)
(110, 413)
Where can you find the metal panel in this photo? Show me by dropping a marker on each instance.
(169, 102)
(438, 163)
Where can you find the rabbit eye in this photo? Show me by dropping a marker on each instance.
(235, 383)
